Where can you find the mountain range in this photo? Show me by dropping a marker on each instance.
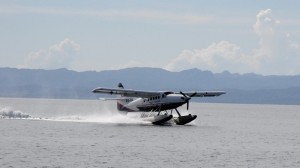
(62, 83)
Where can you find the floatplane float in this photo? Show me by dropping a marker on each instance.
(155, 106)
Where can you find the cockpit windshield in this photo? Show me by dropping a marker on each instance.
(167, 93)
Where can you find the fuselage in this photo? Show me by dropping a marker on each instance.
(165, 101)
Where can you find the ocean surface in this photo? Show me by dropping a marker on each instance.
(91, 133)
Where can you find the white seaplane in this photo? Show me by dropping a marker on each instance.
(155, 106)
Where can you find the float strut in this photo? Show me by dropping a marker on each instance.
(178, 113)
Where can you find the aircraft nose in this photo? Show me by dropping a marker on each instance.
(185, 98)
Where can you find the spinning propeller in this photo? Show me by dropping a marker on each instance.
(188, 98)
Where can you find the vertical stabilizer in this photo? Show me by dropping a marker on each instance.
(120, 86)
(123, 101)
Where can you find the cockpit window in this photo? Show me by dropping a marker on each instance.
(167, 93)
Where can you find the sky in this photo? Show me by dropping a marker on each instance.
(257, 36)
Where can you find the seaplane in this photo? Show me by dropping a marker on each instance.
(154, 106)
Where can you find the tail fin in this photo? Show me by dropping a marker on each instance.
(122, 102)
(120, 86)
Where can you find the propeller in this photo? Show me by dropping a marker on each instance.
(187, 98)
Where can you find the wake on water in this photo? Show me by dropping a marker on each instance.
(8, 112)
(112, 119)
(108, 117)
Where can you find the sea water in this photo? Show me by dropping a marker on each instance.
(91, 133)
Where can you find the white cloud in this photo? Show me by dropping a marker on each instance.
(56, 56)
(265, 23)
(276, 53)
(216, 57)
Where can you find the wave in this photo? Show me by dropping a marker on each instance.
(8, 112)
(110, 119)
(107, 117)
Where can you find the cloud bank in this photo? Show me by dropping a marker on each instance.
(60, 55)
(277, 52)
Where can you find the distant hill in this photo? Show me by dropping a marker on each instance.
(63, 83)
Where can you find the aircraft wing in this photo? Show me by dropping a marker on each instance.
(126, 92)
(204, 93)
(108, 99)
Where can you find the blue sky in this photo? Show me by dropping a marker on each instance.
(238, 36)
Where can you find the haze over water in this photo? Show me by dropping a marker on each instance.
(91, 133)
